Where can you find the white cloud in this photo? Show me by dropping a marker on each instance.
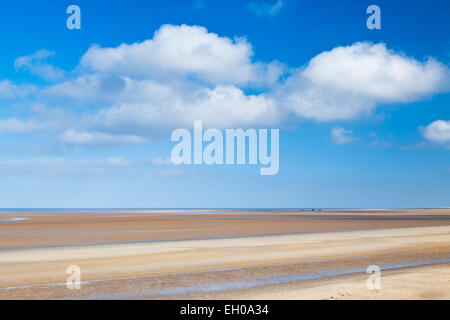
(184, 50)
(437, 132)
(185, 73)
(342, 136)
(98, 138)
(221, 107)
(35, 63)
(149, 87)
(347, 82)
(266, 8)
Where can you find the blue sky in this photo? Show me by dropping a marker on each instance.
(363, 114)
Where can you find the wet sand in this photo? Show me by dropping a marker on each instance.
(206, 254)
(429, 282)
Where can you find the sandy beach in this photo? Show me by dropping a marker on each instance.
(203, 254)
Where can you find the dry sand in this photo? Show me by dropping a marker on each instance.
(204, 254)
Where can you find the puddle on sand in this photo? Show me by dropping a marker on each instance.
(13, 219)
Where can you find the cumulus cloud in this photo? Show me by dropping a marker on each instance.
(184, 51)
(151, 108)
(347, 82)
(438, 132)
(186, 73)
(36, 64)
(223, 107)
(97, 138)
(342, 136)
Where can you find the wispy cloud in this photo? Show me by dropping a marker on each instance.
(160, 161)
(414, 146)
(267, 8)
(36, 64)
(98, 138)
(342, 136)
(168, 173)
(46, 165)
(377, 141)
(9, 90)
(14, 125)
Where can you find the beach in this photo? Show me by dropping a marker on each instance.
(225, 254)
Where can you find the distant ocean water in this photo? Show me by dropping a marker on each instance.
(37, 210)
(13, 219)
(74, 210)
(18, 211)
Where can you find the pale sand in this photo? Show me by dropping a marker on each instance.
(200, 268)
